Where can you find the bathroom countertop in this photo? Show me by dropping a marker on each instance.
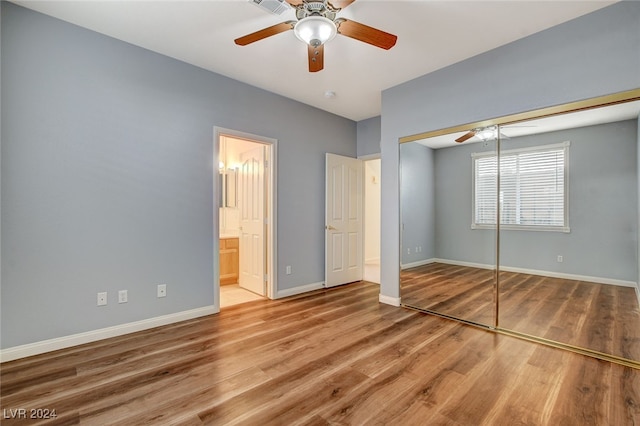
(229, 236)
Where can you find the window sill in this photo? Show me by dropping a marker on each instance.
(563, 229)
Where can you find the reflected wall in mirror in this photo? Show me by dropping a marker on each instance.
(579, 286)
(567, 242)
(437, 243)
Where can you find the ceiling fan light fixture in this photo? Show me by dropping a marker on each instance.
(315, 30)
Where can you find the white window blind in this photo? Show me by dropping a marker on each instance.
(533, 188)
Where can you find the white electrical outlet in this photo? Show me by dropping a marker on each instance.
(288, 270)
(102, 298)
(123, 297)
(162, 290)
(560, 258)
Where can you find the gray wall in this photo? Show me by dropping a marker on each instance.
(591, 56)
(107, 162)
(368, 136)
(603, 212)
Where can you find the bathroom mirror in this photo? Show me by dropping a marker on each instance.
(229, 186)
(561, 264)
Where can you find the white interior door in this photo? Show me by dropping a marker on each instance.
(344, 220)
(252, 262)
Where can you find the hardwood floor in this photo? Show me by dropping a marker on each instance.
(601, 317)
(330, 357)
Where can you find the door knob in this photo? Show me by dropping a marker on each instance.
(330, 228)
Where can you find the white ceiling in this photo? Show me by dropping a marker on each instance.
(431, 35)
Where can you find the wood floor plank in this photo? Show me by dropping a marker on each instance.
(586, 387)
(624, 398)
(436, 371)
(297, 406)
(390, 379)
(365, 403)
(364, 339)
(199, 348)
(525, 397)
(335, 356)
(188, 393)
(476, 397)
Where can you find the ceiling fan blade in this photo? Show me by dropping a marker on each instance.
(316, 58)
(466, 136)
(264, 33)
(366, 34)
(340, 4)
(294, 3)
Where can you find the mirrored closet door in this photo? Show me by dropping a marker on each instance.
(447, 267)
(529, 226)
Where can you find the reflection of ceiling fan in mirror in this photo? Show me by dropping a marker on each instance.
(484, 134)
(317, 23)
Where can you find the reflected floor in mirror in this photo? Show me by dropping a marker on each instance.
(458, 291)
(600, 317)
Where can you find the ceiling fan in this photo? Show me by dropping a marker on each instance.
(317, 23)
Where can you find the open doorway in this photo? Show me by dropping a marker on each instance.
(371, 271)
(352, 219)
(245, 217)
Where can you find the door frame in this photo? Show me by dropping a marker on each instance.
(365, 158)
(271, 207)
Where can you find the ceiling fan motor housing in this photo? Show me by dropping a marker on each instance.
(316, 8)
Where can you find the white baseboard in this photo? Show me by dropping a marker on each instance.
(44, 346)
(388, 300)
(418, 263)
(299, 290)
(462, 263)
(599, 280)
